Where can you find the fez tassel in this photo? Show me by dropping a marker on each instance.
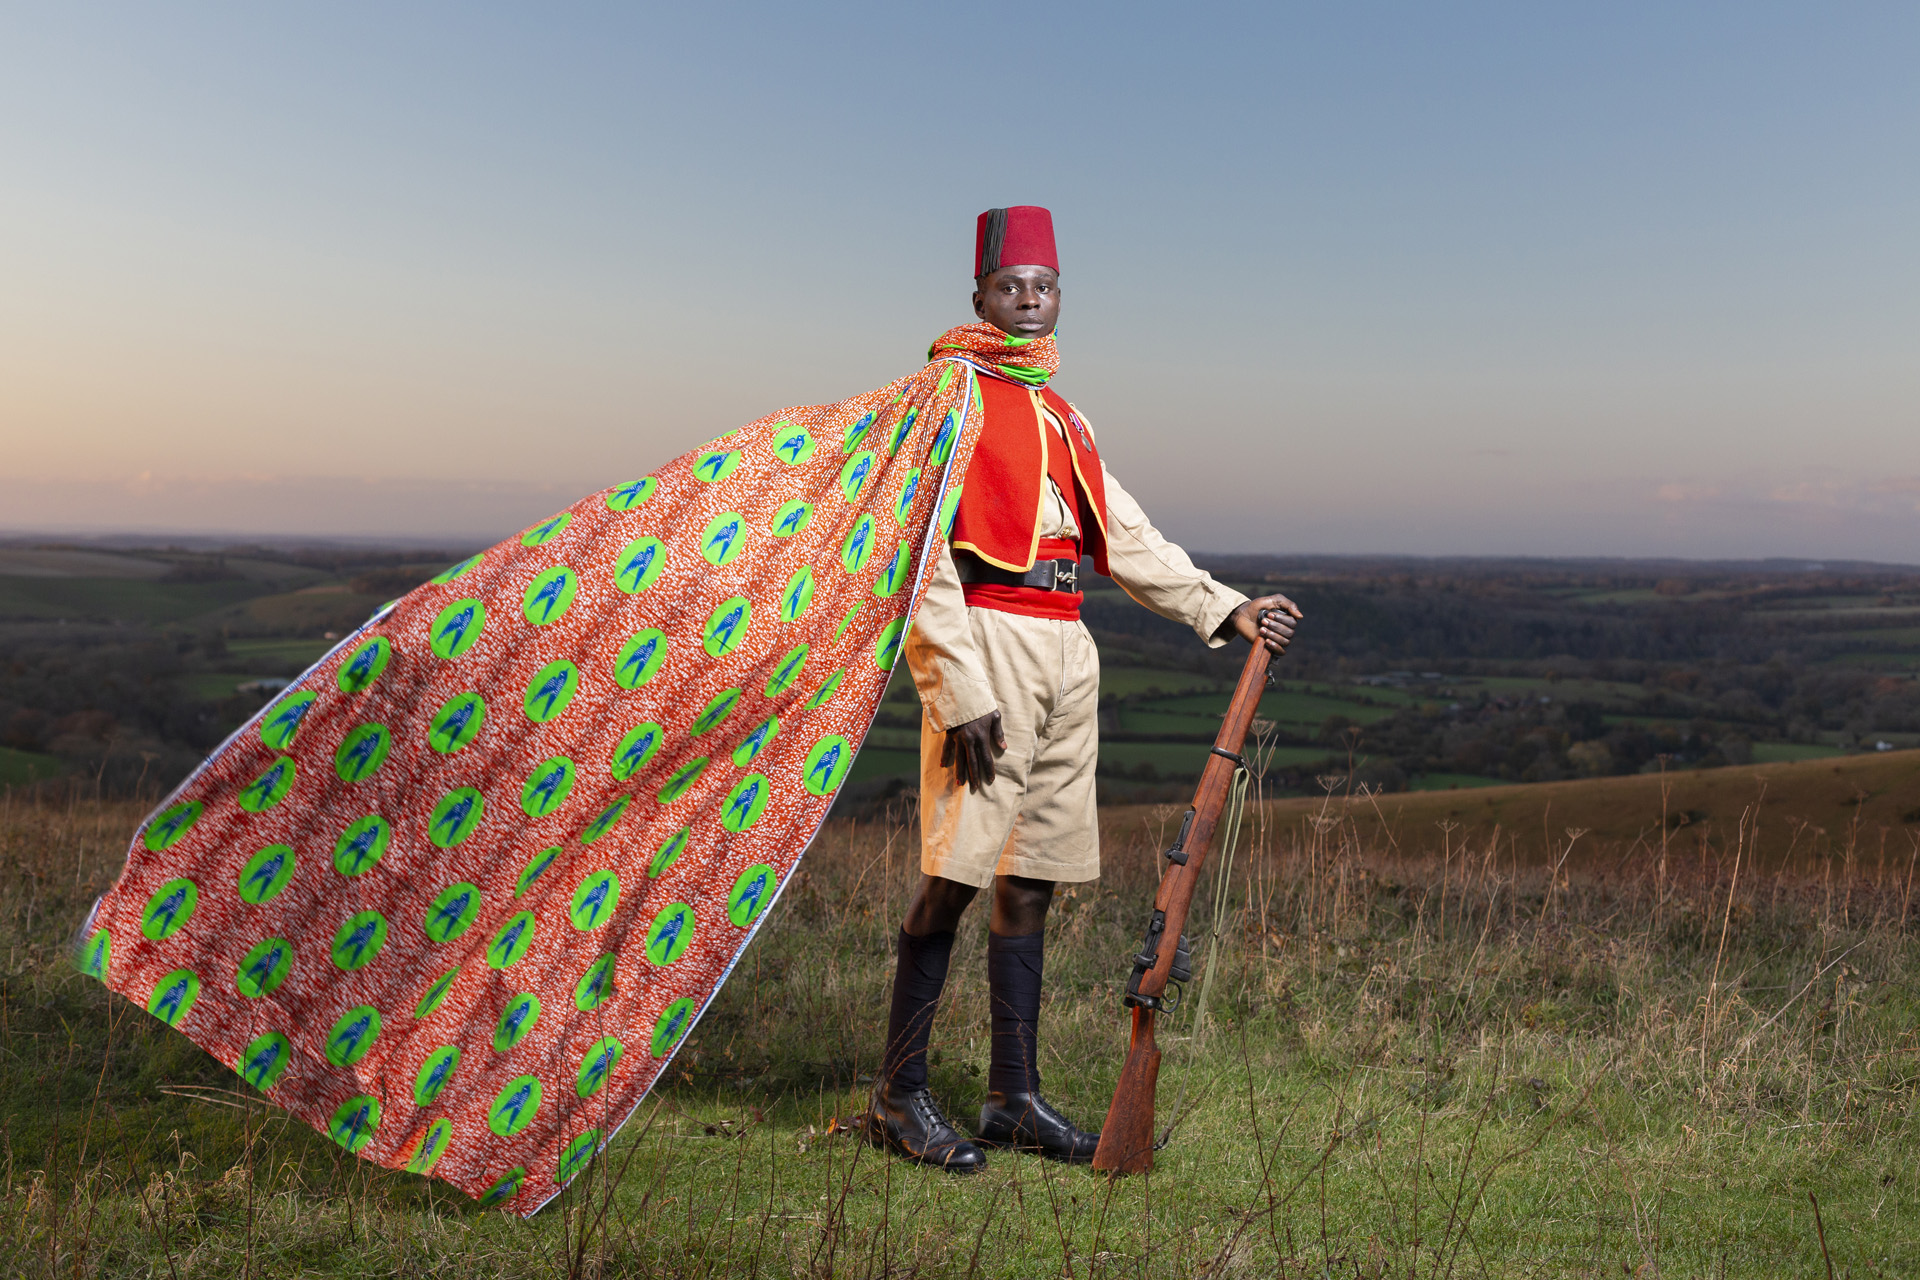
(1126, 1140)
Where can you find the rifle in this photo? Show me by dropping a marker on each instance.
(1126, 1140)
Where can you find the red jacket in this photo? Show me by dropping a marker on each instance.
(998, 518)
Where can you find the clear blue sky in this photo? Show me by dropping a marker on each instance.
(1430, 278)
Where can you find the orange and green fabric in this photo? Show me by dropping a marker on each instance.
(458, 895)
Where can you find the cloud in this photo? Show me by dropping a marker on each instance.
(1679, 491)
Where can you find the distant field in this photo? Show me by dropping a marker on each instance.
(115, 599)
(1780, 752)
(1123, 681)
(301, 653)
(19, 767)
(1451, 782)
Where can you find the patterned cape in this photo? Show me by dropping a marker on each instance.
(459, 893)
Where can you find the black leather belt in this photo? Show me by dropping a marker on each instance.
(1047, 575)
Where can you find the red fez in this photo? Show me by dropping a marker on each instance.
(1018, 237)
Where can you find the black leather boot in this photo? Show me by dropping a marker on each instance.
(1027, 1122)
(908, 1122)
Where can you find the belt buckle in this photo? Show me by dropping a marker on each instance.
(1066, 576)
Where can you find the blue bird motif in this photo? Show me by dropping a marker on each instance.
(508, 1116)
(262, 969)
(267, 872)
(597, 1072)
(508, 941)
(437, 1079)
(347, 1039)
(434, 1135)
(889, 649)
(355, 1122)
(757, 739)
(168, 1007)
(543, 790)
(723, 631)
(670, 934)
(750, 900)
(631, 757)
(669, 1032)
(792, 446)
(168, 829)
(637, 567)
(596, 898)
(796, 595)
(640, 657)
(791, 520)
(94, 962)
(167, 908)
(742, 806)
(712, 463)
(599, 984)
(358, 756)
(723, 538)
(456, 722)
(260, 1064)
(290, 717)
(859, 475)
(858, 546)
(456, 816)
(362, 663)
(361, 845)
(449, 915)
(943, 435)
(829, 760)
(510, 1028)
(454, 630)
(716, 713)
(546, 528)
(262, 787)
(356, 942)
(627, 493)
(549, 595)
(787, 668)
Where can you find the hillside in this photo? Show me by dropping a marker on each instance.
(1809, 809)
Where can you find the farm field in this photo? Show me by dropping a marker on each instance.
(1412, 1064)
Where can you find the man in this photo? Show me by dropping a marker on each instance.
(1009, 682)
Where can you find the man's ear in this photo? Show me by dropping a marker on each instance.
(979, 306)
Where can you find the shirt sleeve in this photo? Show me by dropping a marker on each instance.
(948, 670)
(1158, 574)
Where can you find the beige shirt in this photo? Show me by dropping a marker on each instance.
(950, 670)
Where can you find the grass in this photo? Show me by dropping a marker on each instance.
(1444, 1059)
(1777, 752)
(17, 766)
(124, 599)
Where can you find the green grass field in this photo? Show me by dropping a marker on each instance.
(19, 767)
(109, 599)
(1778, 752)
(1411, 1067)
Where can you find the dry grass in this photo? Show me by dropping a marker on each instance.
(1435, 1059)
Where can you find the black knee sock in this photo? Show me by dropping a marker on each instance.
(1014, 967)
(917, 983)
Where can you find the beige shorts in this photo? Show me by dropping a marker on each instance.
(1037, 818)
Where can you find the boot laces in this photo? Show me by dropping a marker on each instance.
(923, 1102)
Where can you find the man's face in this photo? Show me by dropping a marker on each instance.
(1022, 301)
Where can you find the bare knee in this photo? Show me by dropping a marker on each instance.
(937, 906)
(1020, 905)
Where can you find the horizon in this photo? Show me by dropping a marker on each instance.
(1629, 284)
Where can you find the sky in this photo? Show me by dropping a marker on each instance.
(1526, 278)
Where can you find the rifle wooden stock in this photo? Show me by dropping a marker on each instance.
(1126, 1140)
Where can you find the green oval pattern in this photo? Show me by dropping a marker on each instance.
(456, 817)
(452, 911)
(97, 955)
(756, 742)
(746, 802)
(856, 431)
(453, 571)
(716, 465)
(362, 752)
(366, 664)
(683, 777)
(824, 694)
(547, 787)
(669, 853)
(609, 818)
(825, 767)
(264, 968)
(361, 845)
(909, 489)
(535, 866)
(629, 496)
(355, 1122)
(549, 595)
(353, 1035)
(436, 994)
(435, 1074)
(792, 445)
(357, 942)
(271, 787)
(278, 728)
(715, 712)
(172, 825)
(433, 1144)
(596, 1068)
(641, 744)
(595, 987)
(508, 1185)
(595, 900)
(264, 1060)
(672, 1026)
(541, 534)
(511, 943)
(457, 723)
(752, 892)
(724, 538)
(797, 594)
(169, 909)
(727, 627)
(576, 1154)
(516, 1020)
(670, 934)
(457, 628)
(514, 1106)
(173, 996)
(639, 658)
(853, 475)
(886, 646)
(266, 874)
(793, 517)
(550, 690)
(894, 576)
(640, 565)
(858, 547)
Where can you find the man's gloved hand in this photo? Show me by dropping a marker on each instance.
(970, 749)
(1276, 630)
